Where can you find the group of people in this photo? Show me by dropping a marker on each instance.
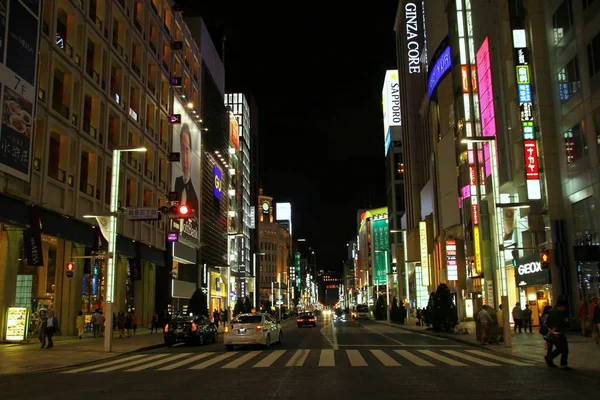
(46, 327)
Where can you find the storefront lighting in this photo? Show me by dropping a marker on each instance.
(190, 105)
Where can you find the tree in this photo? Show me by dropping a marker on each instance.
(380, 309)
(395, 314)
(444, 313)
(197, 304)
(247, 305)
(239, 307)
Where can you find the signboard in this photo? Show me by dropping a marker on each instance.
(234, 131)
(218, 182)
(17, 321)
(391, 103)
(413, 21)
(440, 68)
(486, 100)
(252, 223)
(381, 259)
(529, 271)
(19, 30)
(451, 260)
(424, 253)
(172, 237)
(142, 213)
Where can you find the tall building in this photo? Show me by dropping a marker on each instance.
(274, 241)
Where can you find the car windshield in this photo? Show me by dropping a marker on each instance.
(306, 315)
(247, 319)
(362, 308)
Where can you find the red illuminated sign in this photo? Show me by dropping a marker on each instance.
(531, 160)
(472, 175)
(475, 214)
(465, 78)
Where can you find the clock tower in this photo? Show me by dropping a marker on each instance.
(265, 207)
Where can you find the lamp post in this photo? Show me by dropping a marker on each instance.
(387, 287)
(112, 241)
(255, 294)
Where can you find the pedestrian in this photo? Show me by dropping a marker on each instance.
(133, 322)
(154, 323)
(595, 319)
(121, 324)
(80, 323)
(526, 319)
(216, 317)
(40, 328)
(500, 319)
(52, 327)
(128, 323)
(485, 320)
(419, 316)
(97, 324)
(558, 325)
(517, 315)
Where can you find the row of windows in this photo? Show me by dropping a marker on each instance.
(577, 139)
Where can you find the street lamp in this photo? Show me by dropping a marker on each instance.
(255, 294)
(112, 241)
(387, 287)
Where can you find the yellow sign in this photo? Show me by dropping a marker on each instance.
(478, 262)
(424, 253)
(217, 286)
(16, 324)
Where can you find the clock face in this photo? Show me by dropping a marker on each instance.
(266, 206)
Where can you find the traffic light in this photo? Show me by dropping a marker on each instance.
(515, 256)
(180, 211)
(545, 259)
(70, 269)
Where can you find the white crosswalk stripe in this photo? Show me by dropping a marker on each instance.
(408, 357)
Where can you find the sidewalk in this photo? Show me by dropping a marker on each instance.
(69, 350)
(583, 352)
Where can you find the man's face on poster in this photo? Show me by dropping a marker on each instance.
(186, 154)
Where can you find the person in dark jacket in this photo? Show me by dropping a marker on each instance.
(557, 325)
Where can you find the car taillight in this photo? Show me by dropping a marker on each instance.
(194, 327)
(298, 320)
(311, 320)
(166, 328)
(226, 329)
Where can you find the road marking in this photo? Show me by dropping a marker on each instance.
(381, 334)
(298, 358)
(443, 359)
(331, 331)
(242, 359)
(414, 359)
(497, 358)
(270, 359)
(215, 360)
(129, 364)
(188, 361)
(384, 358)
(356, 360)
(155, 363)
(106, 364)
(472, 359)
(401, 345)
(327, 358)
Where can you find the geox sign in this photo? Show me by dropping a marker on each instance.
(529, 271)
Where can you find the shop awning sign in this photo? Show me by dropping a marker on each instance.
(529, 272)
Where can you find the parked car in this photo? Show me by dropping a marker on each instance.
(252, 329)
(190, 329)
(306, 319)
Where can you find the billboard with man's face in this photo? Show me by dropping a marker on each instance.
(185, 175)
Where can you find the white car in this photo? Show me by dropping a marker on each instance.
(361, 312)
(255, 329)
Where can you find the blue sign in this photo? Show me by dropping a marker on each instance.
(218, 179)
(440, 68)
(524, 93)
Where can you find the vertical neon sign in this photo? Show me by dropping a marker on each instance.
(486, 100)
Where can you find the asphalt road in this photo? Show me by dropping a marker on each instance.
(350, 360)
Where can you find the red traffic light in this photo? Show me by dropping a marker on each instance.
(545, 257)
(70, 266)
(183, 210)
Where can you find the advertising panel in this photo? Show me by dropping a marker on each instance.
(391, 103)
(381, 259)
(218, 182)
(486, 100)
(530, 272)
(414, 36)
(283, 212)
(185, 175)
(440, 68)
(17, 323)
(19, 27)
(234, 131)
(424, 253)
(451, 260)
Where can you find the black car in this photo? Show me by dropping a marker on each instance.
(191, 330)
(306, 319)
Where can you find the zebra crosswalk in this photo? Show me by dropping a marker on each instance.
(326, 358)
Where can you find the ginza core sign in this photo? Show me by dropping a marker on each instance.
(412, 37)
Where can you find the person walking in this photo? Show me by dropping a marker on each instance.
(154, 323)
(582, 313)
(485, 320)
(557, 325)
(595, 319)
(51, 328)
(97, 324)
(526, 320)
(500, 318)
(80, 323)
(517, 315)
(40, 328)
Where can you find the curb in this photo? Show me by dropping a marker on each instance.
(463, 341)
(140, 349)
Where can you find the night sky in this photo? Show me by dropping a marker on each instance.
(316, 75)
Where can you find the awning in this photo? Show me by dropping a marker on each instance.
(57, 225)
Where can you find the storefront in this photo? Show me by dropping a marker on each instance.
(218, 293)
(533, 285)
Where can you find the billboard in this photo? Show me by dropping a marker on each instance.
(486, 100)
(391, 104)
(185, 175)
(381, 258)
(218, 182)
(234, 131)
(441, 66)
(19, 27)
(283, 212)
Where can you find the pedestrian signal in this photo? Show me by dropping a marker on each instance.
(545, 259)
(70, 269)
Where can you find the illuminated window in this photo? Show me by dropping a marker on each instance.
(575, 144)
(568, 80)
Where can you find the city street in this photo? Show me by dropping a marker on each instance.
(344, 359)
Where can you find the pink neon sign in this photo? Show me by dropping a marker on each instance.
(486, 100)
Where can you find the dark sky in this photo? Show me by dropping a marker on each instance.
(316, 75)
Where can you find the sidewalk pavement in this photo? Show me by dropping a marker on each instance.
(583, 352)
(69, 351)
